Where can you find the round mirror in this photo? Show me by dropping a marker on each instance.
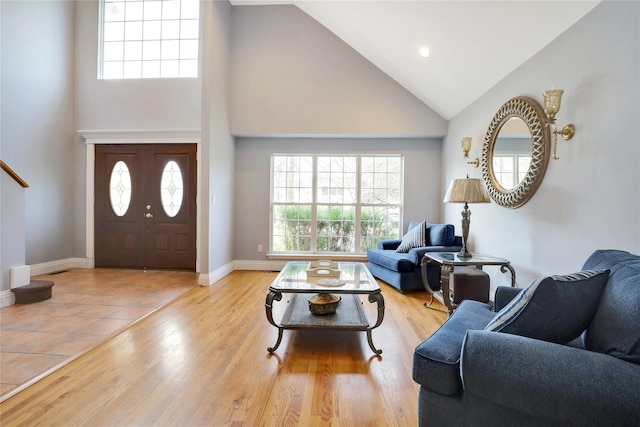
(515, 152)
(512, 153)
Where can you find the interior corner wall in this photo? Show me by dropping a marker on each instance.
(422, 174)
(12, 229)
(292, 76)
(590, 198)
(37, 119)
(217, 142)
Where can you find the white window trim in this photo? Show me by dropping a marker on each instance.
(314, 205)
(100, 50)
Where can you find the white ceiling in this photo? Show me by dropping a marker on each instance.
(474, 44)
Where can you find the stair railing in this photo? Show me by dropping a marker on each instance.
(13, 174)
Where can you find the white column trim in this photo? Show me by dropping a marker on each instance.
(142, 136)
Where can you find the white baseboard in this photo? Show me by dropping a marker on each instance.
(20, 276)
(269, 265)
(59, 265)
(205, 279)
(208, 279)
(7, 298)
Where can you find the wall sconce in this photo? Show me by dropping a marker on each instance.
(552, 100)
(466, 146)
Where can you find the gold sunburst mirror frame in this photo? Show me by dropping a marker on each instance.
(529, 111)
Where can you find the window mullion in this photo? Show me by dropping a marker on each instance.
(358, 207)
(314, 205)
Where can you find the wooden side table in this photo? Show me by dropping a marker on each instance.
(449, 260)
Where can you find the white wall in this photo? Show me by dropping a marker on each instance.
(590, 198)
(12, 229)
(291, 76)
(274, 71)
(37, 119)
(45, 98)
(422, 174)
(127, 104)
(111, 105)
(217, 155)
(51, 90)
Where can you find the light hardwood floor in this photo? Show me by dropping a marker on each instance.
(202, 360)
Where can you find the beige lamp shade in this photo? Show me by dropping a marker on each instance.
(467, 190)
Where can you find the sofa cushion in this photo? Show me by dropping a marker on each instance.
(392, 260)
(555, 308)
(414, 238)
(614, 329)
(440, 234)
(389, 244)
(436, 361)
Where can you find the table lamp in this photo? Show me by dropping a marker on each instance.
(466, 190)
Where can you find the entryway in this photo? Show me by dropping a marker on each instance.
(145, 206)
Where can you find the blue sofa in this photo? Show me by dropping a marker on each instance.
(469, 376)
(402, 270)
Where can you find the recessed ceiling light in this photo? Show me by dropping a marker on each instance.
(424, 51)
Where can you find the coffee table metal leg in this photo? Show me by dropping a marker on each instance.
(275, 347)
(370, 340)
(271, 296)
(377, 298)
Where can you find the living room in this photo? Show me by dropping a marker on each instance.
(51, 98)
(554, 232)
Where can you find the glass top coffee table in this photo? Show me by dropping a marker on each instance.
(346, 280)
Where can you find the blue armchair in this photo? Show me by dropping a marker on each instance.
(469, 376)
(402, 270)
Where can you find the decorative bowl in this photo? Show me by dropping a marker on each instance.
(321, 304)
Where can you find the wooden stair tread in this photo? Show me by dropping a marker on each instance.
(35, 291)
(33, 286)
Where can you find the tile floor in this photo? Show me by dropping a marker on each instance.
(87, 307)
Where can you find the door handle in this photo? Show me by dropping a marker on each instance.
(148, 215)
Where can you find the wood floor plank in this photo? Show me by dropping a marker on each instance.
(203, 360)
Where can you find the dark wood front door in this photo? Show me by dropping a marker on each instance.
(145, 206)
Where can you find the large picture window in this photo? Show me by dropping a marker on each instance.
(334, 203)
(149, 38)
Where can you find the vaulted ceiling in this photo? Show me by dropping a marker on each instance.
(473, 44)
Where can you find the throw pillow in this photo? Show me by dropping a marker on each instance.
(437, 234)
(415, 238)
(555, 308)
(440, 234)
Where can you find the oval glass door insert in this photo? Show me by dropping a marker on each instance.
(120, 188)
(171, 189)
